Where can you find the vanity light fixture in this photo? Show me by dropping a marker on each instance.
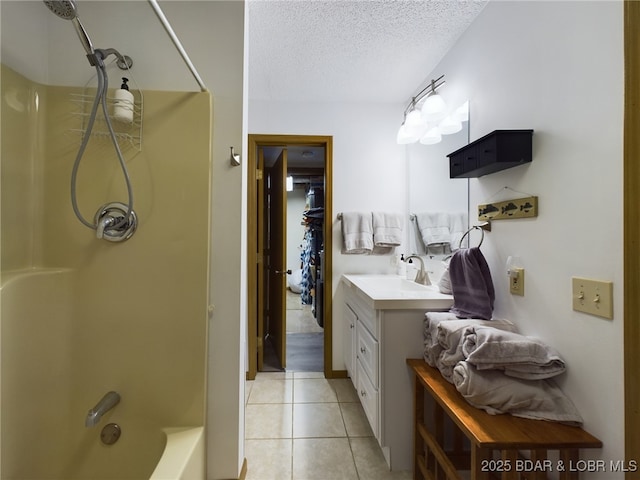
(427, 117)
(433, 108)
(432, 137)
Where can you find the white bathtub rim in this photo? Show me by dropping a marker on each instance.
(184, 444)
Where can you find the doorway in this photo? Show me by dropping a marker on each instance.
(289, 253)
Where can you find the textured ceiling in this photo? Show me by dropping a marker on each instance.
(340, 50)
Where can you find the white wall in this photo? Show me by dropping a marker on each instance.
(535, 65)
(369, 170)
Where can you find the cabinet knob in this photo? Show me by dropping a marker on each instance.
(363, 350)
(351, 325)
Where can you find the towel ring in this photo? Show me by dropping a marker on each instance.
(482, 227)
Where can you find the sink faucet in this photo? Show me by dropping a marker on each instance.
(105, 404)
(422, 277)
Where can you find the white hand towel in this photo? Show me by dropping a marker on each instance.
(457, 228)
(357, 232)
(387, 229)
(434, 228)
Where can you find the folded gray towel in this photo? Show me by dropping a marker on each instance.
(494, 392)
(432, 349)
(451, 335)
(518, 355)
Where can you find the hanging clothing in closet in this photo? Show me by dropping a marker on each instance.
(310, 254)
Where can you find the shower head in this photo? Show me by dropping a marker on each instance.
(68, 10)
(64, 9)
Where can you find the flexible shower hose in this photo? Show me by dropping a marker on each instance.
(100, 99)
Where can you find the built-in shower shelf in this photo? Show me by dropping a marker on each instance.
(127, 134)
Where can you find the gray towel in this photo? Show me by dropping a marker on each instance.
(432, 349)
(473, 292)
(494, 392)
(451, 335)
(518, 355)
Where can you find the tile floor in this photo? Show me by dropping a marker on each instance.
(301, 426)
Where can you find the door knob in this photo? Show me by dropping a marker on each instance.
(283, 272)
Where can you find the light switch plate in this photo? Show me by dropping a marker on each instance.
(593, 296)
(516, 281)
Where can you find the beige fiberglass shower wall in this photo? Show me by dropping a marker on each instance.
(82, 316)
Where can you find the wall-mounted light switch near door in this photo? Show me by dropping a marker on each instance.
(516, 281)
(593, 296)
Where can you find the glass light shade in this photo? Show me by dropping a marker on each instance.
(433, 107)
(405, 135)
(462, 112)
(289, 184)
(414, 118)
(450, 125)
(432, 137)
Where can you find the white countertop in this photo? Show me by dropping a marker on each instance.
(393, 292)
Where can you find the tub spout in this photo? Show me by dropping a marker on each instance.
(105, 404)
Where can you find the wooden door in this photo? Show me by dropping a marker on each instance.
(277, 249)
(261, 266)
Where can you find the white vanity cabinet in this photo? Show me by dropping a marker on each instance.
(384, 318)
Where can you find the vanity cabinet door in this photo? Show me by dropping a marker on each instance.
(349, 343)
(368, 396)
(367, 353)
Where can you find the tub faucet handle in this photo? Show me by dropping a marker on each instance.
(104, 223)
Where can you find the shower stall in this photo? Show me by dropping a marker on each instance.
(118, 328)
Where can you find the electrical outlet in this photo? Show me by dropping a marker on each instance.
(516, 281)
(593, 296)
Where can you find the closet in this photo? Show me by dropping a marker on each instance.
(312, 251)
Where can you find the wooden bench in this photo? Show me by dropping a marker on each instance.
(486, 434)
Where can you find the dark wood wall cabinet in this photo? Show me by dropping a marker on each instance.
(499, 150)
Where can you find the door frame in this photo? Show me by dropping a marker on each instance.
(631, 179)
(255, 141)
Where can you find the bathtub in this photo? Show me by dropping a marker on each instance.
(183, 456)
(44, 407)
